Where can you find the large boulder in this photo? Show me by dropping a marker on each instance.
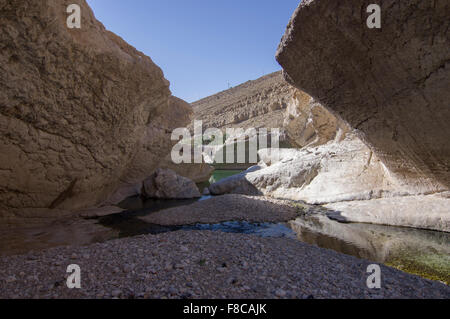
(332, 172)
(80, 110)
(329, 173)
(153, 149)
(199, 173)
(166, 184)
(390, 84)
(236, 184)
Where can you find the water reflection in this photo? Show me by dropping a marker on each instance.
(418, 251)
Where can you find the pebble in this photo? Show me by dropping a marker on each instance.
(116, 293)
(302, 270)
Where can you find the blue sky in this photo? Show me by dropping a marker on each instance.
(201, 45)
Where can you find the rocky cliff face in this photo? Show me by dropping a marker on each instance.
(258, 103)
(270, 102)
(391, 85)
(80, 109)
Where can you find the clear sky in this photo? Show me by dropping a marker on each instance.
(202, 46)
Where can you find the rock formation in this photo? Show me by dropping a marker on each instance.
(236, 184)
(81, 111)
(307, 123)
(270, 102)
(258, 103)
(390, 84)
(166, 184)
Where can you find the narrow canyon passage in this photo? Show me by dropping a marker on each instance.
(210, 159)
(421, 252)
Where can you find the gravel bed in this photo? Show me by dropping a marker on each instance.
(203, 264)
(255, 209)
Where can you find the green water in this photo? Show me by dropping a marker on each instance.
(217, 176)
(421, 252)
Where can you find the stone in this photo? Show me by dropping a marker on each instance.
(154, 149)
(71, 136)
(391, 85)
(165, 183)
(280, 293)
(307, 123)
(236, 184)
(332, 172)
(420, 211)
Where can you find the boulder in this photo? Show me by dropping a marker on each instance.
(329, 173)
(421, 211)
(80, 110)
(199, 173)
(236, 184)
(390, 84)
(153, 150)
(166, 184)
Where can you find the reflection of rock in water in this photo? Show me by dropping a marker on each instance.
(72, 232)
(418, 250)
(317, 230)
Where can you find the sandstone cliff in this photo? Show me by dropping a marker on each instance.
(391, 85)
(80, 110)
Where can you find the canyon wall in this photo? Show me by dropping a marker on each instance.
(80, 110)
(258, 103)
(270, 102)
(390, 84)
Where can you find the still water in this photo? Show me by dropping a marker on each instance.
(421, 252)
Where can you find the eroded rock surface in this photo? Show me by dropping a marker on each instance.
(332, 172)
(307, 123)
(422, 211)
(389, 84)
(165, 183)
(80, 110)
(258, 103)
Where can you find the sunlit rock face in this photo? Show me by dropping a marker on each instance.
(76, 109)
(390, 84)
(253, 104)
(268, 103)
